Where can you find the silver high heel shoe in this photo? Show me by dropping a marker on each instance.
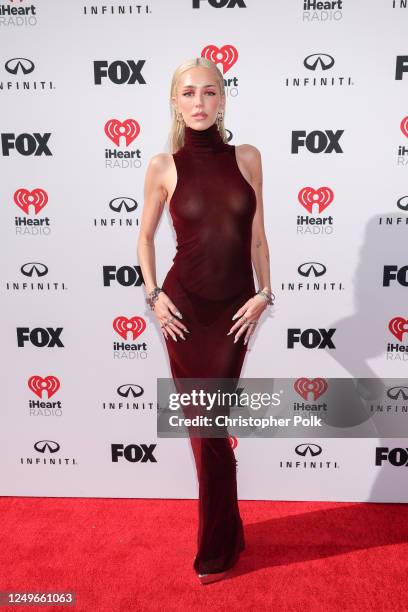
(208, 578)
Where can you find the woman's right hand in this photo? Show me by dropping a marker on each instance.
(165, 311)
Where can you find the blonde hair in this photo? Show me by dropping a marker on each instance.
(176, 137)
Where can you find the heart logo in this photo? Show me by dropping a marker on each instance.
(308, 197)
(48, 385)
(397, 327)
(226, 55)
(315, 386)
(129, 128)
(404, 126)
(135, 325)
(233, 441)
(24, 199)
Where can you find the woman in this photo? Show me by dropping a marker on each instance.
(214, 193)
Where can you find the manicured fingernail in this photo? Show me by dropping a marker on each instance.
(235, 340)
(179, 314)
(229, 333)
(234, 317)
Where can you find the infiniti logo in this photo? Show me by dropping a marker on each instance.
(118, 203)
(398, 392)
(34, 268)
(47, 445)
(313, 268)
(321, 60)
(308, 449)
(19, 64)
(401, 204)
(130, 389)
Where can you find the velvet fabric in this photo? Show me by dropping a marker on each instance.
(212, 209)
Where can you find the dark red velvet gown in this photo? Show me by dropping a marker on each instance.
(212, 210)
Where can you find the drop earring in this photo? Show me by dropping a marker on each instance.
(218, 120)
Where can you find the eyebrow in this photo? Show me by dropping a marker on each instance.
(195, 86)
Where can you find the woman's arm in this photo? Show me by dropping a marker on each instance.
(251, 158)
(155, 196)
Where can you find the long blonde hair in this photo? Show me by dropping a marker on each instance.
(176, 137)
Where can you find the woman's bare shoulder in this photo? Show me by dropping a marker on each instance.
(250, 157)
(160, 161)
(248, 152)
(160, 171)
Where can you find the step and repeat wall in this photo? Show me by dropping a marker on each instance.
(321, 89)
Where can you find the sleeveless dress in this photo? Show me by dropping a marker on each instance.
(212, 209)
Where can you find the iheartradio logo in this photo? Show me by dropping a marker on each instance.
(129, 129)
(48, 385)
(308, 197)
(404, 126)
(136, 325)
(315, 386)
(37, 198)
(398, 326)
(226, 55)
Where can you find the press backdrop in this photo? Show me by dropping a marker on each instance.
(320, 88)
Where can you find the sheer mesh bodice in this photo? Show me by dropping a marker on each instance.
(212, 209)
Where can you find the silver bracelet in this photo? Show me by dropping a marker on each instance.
(267, 296)
(153, 296)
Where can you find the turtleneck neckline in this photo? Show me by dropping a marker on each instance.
(203, 141)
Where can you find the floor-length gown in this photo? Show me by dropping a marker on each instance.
(212, 209)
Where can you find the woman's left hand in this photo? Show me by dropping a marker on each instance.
(248, 313)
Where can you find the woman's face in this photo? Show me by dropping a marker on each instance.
(198, 97)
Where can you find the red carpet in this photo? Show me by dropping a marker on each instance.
(137, 554)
